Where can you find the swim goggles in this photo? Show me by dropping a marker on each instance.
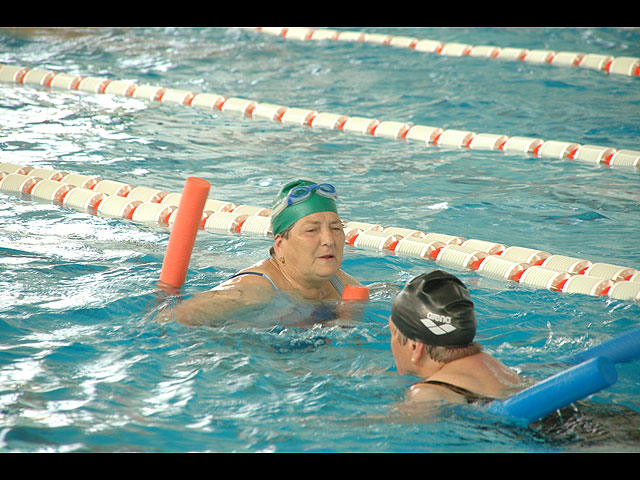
(302, 192)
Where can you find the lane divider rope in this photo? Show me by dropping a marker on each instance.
(530, 267)
(295, 116)
(608, 64)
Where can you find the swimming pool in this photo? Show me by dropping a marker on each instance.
(83, 364)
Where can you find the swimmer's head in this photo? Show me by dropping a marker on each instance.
(435, 309)
(301, 198)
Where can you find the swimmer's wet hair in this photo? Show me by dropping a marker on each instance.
(442, 354)
(285, 234)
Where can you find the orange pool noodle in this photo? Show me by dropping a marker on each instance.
(184, 231)
(351, 292)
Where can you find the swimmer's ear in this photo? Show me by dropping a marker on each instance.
(277, 244)
(417, 350)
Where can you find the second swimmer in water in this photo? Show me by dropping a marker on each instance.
(433, 325)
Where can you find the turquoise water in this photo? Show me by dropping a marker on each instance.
(84, 366)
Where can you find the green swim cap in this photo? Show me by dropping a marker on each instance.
(314, 202)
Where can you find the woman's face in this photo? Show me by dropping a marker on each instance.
(315, 246)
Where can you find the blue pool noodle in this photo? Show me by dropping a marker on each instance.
(623, 348)
(558, 391)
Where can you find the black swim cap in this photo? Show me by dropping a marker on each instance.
(435, 309)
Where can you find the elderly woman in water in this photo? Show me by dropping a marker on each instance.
(305, 260)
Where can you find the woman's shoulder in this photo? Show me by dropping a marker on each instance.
(257, 274)
(433, 392)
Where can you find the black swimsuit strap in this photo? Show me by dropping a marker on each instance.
(470, 396)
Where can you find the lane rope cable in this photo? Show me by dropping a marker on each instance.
(526, 266)
(608, 64)
(296, 116)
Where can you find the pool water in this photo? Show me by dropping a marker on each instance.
(85, 366)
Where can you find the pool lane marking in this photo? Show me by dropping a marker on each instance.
(608, 64)
(588, 154)
(459, 253)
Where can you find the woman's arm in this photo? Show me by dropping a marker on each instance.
(220, 302)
